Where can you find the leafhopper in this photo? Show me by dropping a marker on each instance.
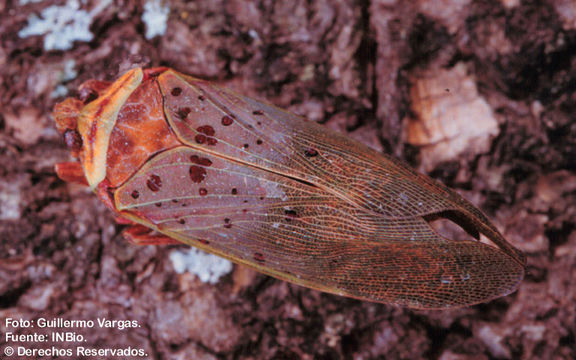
(183, 160)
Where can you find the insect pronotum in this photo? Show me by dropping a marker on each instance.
(183, 160)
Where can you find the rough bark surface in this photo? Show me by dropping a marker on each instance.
(373, 69)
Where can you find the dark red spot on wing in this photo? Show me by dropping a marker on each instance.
(176, 91)
(227, 120)
(259, 142)
(201, 97)
(135, 194)
(234, 191)
(259, 257)
(258, 112)
(174, 201)
(183, 112)
(158, 204)
(245, 146)
(203, 192)
(291, 215)
(206, 130)
(202, 241)
(311, 152)
(197, 173)
(181, 221)
(154, 183)
(73, 140)
(205, 135)
(200, 160)
(227, 223)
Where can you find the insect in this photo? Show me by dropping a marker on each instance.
(183, 160)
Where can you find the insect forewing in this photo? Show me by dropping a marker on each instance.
(262, 135)
(304, 234)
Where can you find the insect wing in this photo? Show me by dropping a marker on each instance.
(249, 131)
(304, 234)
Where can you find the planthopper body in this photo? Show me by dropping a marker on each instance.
(184, 160)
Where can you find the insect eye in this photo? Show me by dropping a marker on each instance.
(73, 140)
(88, 95)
